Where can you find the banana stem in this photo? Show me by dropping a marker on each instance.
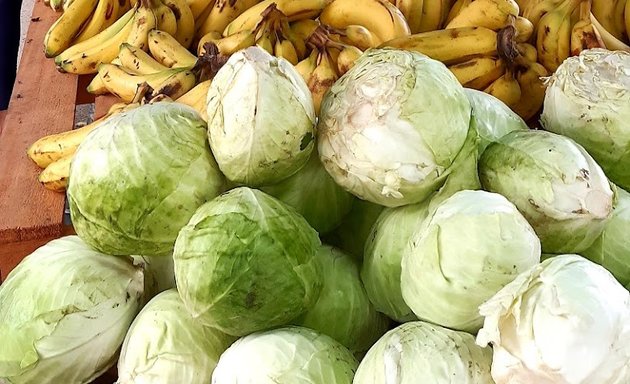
(507, 48)
(585, 10)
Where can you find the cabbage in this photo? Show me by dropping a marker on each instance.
(64, 312)
(491, 118)
(261, 118)
(555, 184)
(289, 355)
(419, 352)
(166, 345)
(159, 274)
(246, 262)
(587, 99)
(612, 248)
(474, 244)
(390, 128)
(343, 310)
(138, 178)
(315, 195)
(565, 321)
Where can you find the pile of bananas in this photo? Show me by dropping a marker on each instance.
(143, 49)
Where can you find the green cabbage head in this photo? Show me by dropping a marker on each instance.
(555, 184)
(419, 352)
(166, 345)
(289, 355)
(139, 177)
(474, 244)
(246, 262)
(587, 99)
(64, 312)
(391, 127)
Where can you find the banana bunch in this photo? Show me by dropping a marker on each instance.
(169, 70)
(611, 18)
(220, 14)
(424, 15)
(87, 52)
(58, 5)
(54, 153)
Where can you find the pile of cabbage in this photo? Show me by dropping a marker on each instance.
(413, 232)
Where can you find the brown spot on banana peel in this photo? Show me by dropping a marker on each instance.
(109, 12)
(588, 40)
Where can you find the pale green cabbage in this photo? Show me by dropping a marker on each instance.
(390, 129)
(261, 118)
(246, 262)
(588, 100)
(166, 345)
(419, 352)
(139, 177)
(555, 184)
(289, 355)
(474, 244)
(64, 312)
(565, 321)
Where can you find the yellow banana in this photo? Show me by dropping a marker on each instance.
(165, 17)
(96, 86)
(532, 90)
(231, 44)
(176, 85)
(144, 21)
(286, 50)
(478, 72)
(346, 58)
(185, 21)
(610, 14)
(412, 9)
(135, 60)
(321, 79)
(304, 28)
(360, 37)
(506, 88)
(211, 37)
(266, 41)
(298, 44)
(379, 16)
(55, 176)
(105, 14)
(165, 49)
(195, 95)
(610, 41)
(528, 51)
(584, 35)
(306, 67)
(450, 46)
(554, 35)
(223, 13)
(85, 57)
(492, 14)
(432, 14)
(456, 8)
(294, 10)
(66, 28)
(197, 7)
(524, 29)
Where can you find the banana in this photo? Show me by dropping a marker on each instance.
(492, 14)
(55, 176)
(346, 58)
(478, 72)
(306, 67)
(66, 28)
(66, 4)
(195, 95)
(144, 21)
(506, 88)
(534, 10)
(456, 8)
(266, 40)
(412, 10)
(524, 29)
(321, 79)
(96, 86)
(285, 49)
(176, 85)
(135, 60)
(165, 17)
(584, 35)
(294, 10)
(360, 37)
(211, 37)
(231, 44)
(124, 84)
(554, 35)
(304, 28)
(532, 90)
(379, 16)
(105, 14)
(197, 7)
(432, 14)
(610, 41)
(450, 46)
(223, 13)
(298, 44)
(528, 51)
(185, 21)
(85, 57)
(165, 49)
(610, 14)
